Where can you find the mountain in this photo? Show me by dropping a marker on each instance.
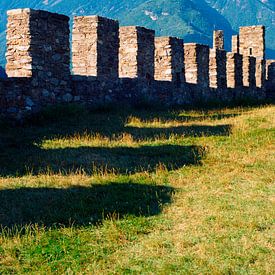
(193, 20)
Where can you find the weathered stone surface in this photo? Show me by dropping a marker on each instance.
(234, 70)
(217, 69)
(95, 43)
(235, 46)
(260, 73)
(270, 76)
(196, 58)
(136, 52)
(169, 59)
(252, 41)
(38, 57)
(218, 40)
(249, 71)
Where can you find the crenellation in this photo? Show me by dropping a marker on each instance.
(136, 52)
(169, 59)
(249, 71)
(126, 65)
(218, 40)
(234, 70)
(196, 57)
(95, 43)
(217, 69)
(260, 73)
(235, 44)
(252, 41)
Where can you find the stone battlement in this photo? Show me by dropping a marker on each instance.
(124, 65)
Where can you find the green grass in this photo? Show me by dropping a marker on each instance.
(138, 192)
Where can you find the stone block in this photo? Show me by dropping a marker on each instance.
(95, 44)
(217, 68)
(234, 70)
(196, 62)
(136, 52)
(169, 59)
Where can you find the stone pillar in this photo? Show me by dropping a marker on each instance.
(234, 70)
(95, 44)
(218, 40)
(136, 52)
(169, 59)
(249, 70)
(270, 75)
(260, 73)
(252, 41)
(196, 58)
(217, 68)
(38, 47)
(235, 44)
(270, 69)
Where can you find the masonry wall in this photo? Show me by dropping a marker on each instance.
(249, 71)
(95, 44)
(196, 58)
(260, 73)
(270, 76)
(252, 41)
(218, 40)
(169, 59)
(235, 44)
(136, 52)
(113, 65)
(234, 70)
(217, 69)
(37, 49)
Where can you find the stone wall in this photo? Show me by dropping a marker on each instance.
(38, 49)
(260, 73)
(234, 70)
(218, 40)
(270, 76)
(136, 52)
(95, 44)
(113, 65)
(249, 71)
(169, 59)
(196, 58)
(235, 44)
(252, 41)
(217, 69)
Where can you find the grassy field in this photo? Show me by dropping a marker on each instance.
(139, 192)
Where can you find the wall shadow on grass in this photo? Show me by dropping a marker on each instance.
(80, 205)
(186, 131)
(21, 150)
(121, 160)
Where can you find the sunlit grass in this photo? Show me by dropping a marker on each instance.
(184, 192)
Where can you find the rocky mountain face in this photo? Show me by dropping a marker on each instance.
(193, 20)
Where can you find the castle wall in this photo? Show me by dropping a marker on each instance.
(196, 58)
(95, 44)
(113, 65)
(218, 40)
(38, 49)
(260, 73)
(249, 71)
(235, 44)
(252, 41)
(234, 71)
(136, 52)
(217, 68)
(169, 59)
(270, 76)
